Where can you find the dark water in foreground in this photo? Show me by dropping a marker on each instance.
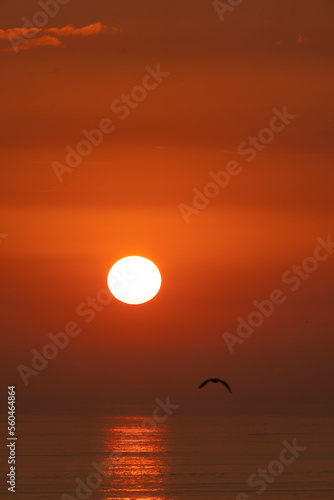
(184, 457)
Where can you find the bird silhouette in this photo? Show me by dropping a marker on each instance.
(215, 381)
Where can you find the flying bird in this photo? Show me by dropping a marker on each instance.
(215, 381)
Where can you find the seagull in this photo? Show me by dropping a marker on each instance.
(215, 380)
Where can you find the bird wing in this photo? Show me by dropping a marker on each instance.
(226, 385)
(203, 383)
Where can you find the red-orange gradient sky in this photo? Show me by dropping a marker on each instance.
(225, 79)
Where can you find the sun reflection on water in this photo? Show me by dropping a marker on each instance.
(135, 466)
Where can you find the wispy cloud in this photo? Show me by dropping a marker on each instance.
(69, 30)
(43, 41)
(18, 32)
(25, 39)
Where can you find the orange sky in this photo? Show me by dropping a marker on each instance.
(225, 78)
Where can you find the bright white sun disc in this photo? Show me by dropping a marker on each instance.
(134, 280)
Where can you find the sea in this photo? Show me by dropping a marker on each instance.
(135, 458)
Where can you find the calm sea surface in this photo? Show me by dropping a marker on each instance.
(199, 458)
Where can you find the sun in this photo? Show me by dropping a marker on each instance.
(134, 280)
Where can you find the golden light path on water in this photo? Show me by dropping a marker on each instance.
(136, 465)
